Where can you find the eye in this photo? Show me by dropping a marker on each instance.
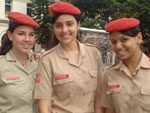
(69, 24)
(113, 42)
(32, 34)
(20, 33)
(124, 39)
(58, 25)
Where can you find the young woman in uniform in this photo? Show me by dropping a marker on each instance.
(126, 84)
(69, 73)
(17, 70)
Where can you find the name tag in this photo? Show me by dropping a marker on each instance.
(114, 86)
(61, 77)
(13, 78)
(37, 77)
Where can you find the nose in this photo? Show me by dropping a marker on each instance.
(118, 45)
(27, 38)
(64, 29)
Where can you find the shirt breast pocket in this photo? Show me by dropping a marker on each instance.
(64, 85)
(118, 94)
(92, 81)
(9, 79)
(145, 94)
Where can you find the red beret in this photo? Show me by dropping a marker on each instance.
(122, 24)
(20, 18)
(63, 7)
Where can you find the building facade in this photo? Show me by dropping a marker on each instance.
(8, 6)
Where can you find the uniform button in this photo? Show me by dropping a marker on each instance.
(131, 95)
(85, 106)
(84, 93)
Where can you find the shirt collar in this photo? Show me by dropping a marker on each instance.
(144, 63)
(11, 57)
(61, 52)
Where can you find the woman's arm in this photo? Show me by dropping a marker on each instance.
(98, 107)
(109, 110)
(44, 106)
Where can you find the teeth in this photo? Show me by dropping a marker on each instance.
(26, 45)
(122, 52)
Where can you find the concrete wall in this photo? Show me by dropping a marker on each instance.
(17, 5)
(2, 9)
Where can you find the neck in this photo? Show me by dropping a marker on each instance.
(21, 57)
(134, 61)
(71, 47)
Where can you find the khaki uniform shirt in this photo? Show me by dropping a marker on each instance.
(16, 85)
(127, 94)
(71, 87)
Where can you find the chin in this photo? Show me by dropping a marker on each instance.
(123, 57)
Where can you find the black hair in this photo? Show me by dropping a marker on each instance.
(54, 41)
(6, 44)
(131, 32)
(53, 19)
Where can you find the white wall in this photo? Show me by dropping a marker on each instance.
(19, 6)
(2, 9)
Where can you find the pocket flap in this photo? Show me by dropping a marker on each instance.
(145, 90)
(113, 89)
(93, 73)
(146, 107)
(12, 79)
(61, 79)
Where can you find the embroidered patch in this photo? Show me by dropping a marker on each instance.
(61, 77)
(13, 78)
(114, 86)
(37, 77)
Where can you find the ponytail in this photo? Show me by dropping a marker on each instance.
(6, 44)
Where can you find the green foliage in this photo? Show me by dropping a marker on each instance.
(103, 11)
(95, 14)
(42, 16)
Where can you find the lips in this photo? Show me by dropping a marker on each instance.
(26, 46)
(121, 53)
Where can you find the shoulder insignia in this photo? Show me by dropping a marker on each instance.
(2, 56)
(88, 44)
(114, 64)
(47, 52)
(91, 45)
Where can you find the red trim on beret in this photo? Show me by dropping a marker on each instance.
(63, 7)
(122, 24)
(20, 18)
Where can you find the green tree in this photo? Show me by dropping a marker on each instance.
(40, 13)
(107, 10)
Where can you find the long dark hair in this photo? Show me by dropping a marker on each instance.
(54, 41)
(6, 44)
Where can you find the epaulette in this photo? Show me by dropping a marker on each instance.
(114, 64)
(2, 56)
(47, 52)
(91, 45)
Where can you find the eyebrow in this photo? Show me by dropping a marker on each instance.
(65, 22)
(123, 36)
(24, 31)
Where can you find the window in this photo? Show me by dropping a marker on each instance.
(8, 6)
(29, 8)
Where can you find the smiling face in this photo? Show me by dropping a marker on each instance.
(23, 39)
(125, 47)
(65, 28)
